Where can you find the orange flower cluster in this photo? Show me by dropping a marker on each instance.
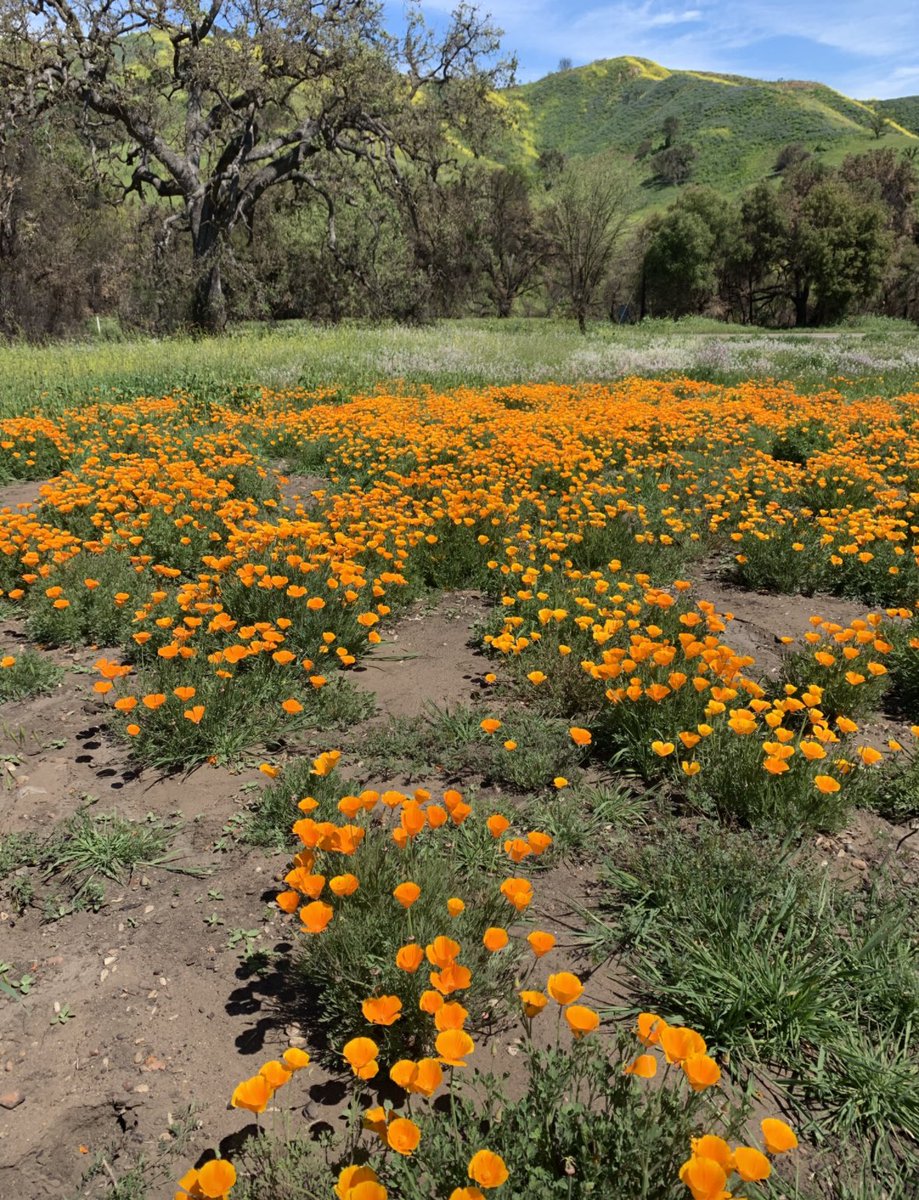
(253, 1094)
(164, 532)
(707, 1171)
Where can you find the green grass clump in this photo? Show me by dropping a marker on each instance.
(28, 674)
(67, 871)
(753, 942)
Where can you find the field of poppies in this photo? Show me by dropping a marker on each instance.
(556, 749)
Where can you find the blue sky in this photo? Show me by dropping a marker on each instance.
(867, 50)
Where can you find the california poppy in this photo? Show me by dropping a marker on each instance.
(382, 1010)
(487, 1169)
(564, 987)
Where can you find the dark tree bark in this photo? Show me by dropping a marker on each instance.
(269, 93)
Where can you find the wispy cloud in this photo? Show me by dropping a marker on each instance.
(846, 43)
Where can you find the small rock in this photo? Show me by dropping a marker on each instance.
(859, 864)
(11, 1099)
(142, 1089)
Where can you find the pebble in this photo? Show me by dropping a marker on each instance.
(859, 864)
(11, 1099)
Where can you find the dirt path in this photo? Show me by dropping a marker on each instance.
(166, 1010)
(427, 658)
(21, 494)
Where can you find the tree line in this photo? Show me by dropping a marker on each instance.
(187, 164)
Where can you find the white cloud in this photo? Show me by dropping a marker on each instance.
(876, 49)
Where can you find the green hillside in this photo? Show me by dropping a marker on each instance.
(737, 125)
(905, 111)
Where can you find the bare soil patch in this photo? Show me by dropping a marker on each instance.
(22, 494)
(427, 658)
(760, 619)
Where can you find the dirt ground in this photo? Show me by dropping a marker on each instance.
(163, 1010)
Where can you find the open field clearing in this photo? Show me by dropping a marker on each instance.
(489, 784)
(875, 356)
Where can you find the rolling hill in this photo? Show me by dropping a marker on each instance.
(736, 125)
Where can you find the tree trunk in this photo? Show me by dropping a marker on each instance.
(800, 309)
(209, 306)
(582, 320)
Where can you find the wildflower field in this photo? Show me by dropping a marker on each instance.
(500, 791)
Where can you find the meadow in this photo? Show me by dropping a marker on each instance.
(459, 762)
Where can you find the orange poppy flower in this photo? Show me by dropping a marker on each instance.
(581, 1020)
(533, 1003)
(564, 987)
(403, 1136)
(382, 1010)
(644, 1066)
(701, 1071)
(450, 1016)
(343, 885)
(409, 958)
(316, 916)
(453, 1046)
(487, 1169)
(541, 943)
(252, 1094)
(407, 894)
(751, 1164)
(777, 1136)
(494, 939)
(497, 824)
(361, 1055)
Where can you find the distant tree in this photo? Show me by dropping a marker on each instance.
(790, 156)
(838, 247)
(211, 105)
(644, 148)
(509, 245)
(758, 253)
(816, 243)
(673, 166)
(672, 127)
(889, 177)
(565, 64)
(585, 220)
(62, 251)
(688, 248)
(877, 123)
(551, 165)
